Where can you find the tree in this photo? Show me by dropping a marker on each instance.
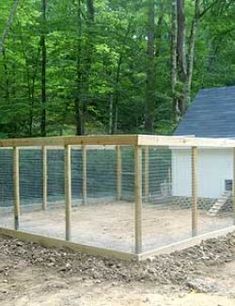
(116, 96)
(84, 62)
(110, 66)
(181, 54)
(78, 103)
(182, 62)
(9, 24)
(43, 67)
(174, 31)
(150, 69)
(191, 52)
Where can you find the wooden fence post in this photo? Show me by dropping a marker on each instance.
(16, 182)
(234, 186)
(44, 177)
(84, 174)
(138, 199)
(68, 191)
(146, 172)
(119, 172)
(194, 191)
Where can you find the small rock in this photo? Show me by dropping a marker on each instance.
(202, 285)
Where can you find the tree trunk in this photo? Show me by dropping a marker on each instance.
(43, 72)
(174, 30)
(117, 83)
(159, 31)
(116, 96)
(181, 54)
(77, 100)
(191, 51)
(30, 78)
(31, 113)
(7, 83)
(84, 66)
(88, 59)
(8, 24)
(150, 70)
(90, 11)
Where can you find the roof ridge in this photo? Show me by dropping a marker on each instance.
(216, 88)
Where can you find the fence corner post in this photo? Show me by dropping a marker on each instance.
(138, 199)
(84, 175)
(16, 184)
(44, 177)
(68, 191)
(146, 173)
(119, 172)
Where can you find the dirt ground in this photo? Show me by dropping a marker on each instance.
(32, 275)
(111, 225)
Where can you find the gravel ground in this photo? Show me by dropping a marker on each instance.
(206, 268)
(175, 268)
(102, 225)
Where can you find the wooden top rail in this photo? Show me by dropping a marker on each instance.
(71, 140)
(73, 147)
(141, 140)
(180, 141)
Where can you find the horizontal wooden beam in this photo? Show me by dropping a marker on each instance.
(71, 140)
(113, 140)
(59, 243)
(96, 251)
(179, 141)
(184, 244)
(73, 147)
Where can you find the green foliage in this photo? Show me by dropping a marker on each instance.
(116, 44)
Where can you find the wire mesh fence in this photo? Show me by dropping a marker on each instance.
(122, 197)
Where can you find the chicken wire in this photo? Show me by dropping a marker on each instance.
(98, 223)
(167, 208)
(107, 219)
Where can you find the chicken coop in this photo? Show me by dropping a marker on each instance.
(127, 196)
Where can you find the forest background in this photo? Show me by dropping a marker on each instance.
(102, 66)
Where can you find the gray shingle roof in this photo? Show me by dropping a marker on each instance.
(212, 114)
